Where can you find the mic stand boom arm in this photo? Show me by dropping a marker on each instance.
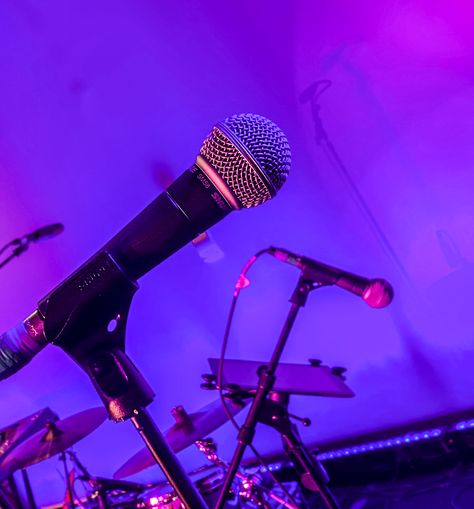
(86, 316)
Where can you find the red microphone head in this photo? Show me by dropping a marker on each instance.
(378, 294)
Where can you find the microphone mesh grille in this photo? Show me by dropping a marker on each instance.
(251, 154)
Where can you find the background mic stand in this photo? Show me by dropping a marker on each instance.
(312, 475)
(101, 485)
(86, 316)
(266, 382)
(21, 248)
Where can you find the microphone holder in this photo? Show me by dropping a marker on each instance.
(86, 316)
(267, 377)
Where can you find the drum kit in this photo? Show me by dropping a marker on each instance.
(249, 488)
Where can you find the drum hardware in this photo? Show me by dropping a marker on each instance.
(101, 487)
(207, 479)
(10, 437)
(250, 487)
(274, 413)
(56, 437)
(28, 489)
(187, 429)
(16, 433)
(311, 473)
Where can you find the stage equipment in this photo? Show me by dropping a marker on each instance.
(21, 244)
(207, 480)
(250, 488)
(377, 293)
(14, 434)
(314, 379)
(242, 163)
(54, 438)
(107, 493)
(10, 437)
(188, 429)
(266, 400)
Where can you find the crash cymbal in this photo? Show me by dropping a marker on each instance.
(186, 430)
(55, 437)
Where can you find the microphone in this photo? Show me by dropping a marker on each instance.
(242, 163)
(21, 244)
(377, 293)
(44, 233)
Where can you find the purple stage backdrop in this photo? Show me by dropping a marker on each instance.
(103, 104)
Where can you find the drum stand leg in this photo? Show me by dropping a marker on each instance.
(69, 490)
(29, 492)
(13, 490)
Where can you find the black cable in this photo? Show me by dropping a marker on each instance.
(242, 282)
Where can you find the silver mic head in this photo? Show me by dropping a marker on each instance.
(251, 155)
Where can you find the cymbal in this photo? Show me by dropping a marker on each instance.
(186, 430)
(55, 437)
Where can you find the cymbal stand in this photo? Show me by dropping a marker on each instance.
(69, 488)
(29, 491)
(86, 476)
(86, 316)
(101, 485)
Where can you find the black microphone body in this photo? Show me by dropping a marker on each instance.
(377, 293)
(226, 176)
(189, 206)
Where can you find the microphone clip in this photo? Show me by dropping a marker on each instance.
(86, 316)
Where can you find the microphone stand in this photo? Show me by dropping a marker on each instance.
(86, 316)
(16, 252)
(266, 382)
(312, 475)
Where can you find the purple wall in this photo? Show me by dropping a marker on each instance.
(102, 105)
